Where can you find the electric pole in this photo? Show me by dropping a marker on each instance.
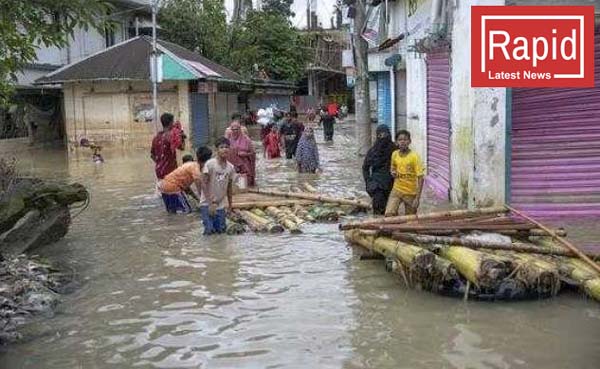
(361, 86)
(154, 72)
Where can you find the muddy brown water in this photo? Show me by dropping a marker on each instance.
(156, 294)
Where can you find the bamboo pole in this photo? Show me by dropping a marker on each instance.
(453, 214)
(283, 219)
(541, 277)
(480, 268)
(250, 221)
(533, 232)
(288, 211)
(246, 205)
(568, 244)
(259, 212)
(314, 197)
(417, 261)
(267, 224)
(303, 213)
(528, 248)
(592, 287)
(308, 187)
(446, 226)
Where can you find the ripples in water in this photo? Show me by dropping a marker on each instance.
(157, 294)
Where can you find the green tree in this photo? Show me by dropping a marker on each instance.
(268, 40)
(26, 25)
(283, 7)
(200, 26)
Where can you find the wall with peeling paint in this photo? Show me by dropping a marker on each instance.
(478, 122)
(109, 112)
(416, 81)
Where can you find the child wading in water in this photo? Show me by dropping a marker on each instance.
(174, 186)
(216, 197)
(272, 144)
(408, 172)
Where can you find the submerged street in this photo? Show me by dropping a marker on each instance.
(152, 292)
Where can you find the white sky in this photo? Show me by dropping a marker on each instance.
(324, 9)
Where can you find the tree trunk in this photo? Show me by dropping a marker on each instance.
(361, 86)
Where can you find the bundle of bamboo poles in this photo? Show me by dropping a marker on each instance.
(276, 218)
(486, 253)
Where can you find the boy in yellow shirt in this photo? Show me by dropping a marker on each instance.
(408, 173)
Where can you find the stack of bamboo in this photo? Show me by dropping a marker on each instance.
(489, 253)
(278, 211)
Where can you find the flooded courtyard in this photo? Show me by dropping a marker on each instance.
(154, 293)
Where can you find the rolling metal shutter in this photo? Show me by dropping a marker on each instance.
(438, 123)
(555, 156)
(200, 125)
(384, 99)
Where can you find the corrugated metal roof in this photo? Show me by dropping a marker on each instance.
(200, 63)
(129, 60)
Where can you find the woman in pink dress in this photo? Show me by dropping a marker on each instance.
(242, 154)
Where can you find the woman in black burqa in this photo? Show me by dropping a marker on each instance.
(376, 169)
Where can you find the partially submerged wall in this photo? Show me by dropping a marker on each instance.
(119, 112)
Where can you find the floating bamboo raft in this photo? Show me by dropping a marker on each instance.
(287, 211)
(489, 254)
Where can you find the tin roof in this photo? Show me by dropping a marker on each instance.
(130, 60)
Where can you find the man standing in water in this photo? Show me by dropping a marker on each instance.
(164, 146)
(216, 197)
(327, 120)
(288, 133)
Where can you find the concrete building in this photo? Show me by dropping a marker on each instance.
(36, 116)
(108, 98)
(325, 76)
(538, 149)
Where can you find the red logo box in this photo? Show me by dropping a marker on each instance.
(532, 46)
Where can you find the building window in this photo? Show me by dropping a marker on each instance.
(109, 36)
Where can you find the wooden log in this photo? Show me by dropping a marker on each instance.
(314, 197)
(454, 214)
(482, 269)
(478, 244)
(263, 204)
(568, 244)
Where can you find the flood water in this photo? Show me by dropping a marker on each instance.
(155, 293)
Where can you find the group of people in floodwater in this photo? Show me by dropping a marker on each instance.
(393, 173)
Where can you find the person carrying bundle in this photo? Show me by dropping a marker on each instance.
(408, 173)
